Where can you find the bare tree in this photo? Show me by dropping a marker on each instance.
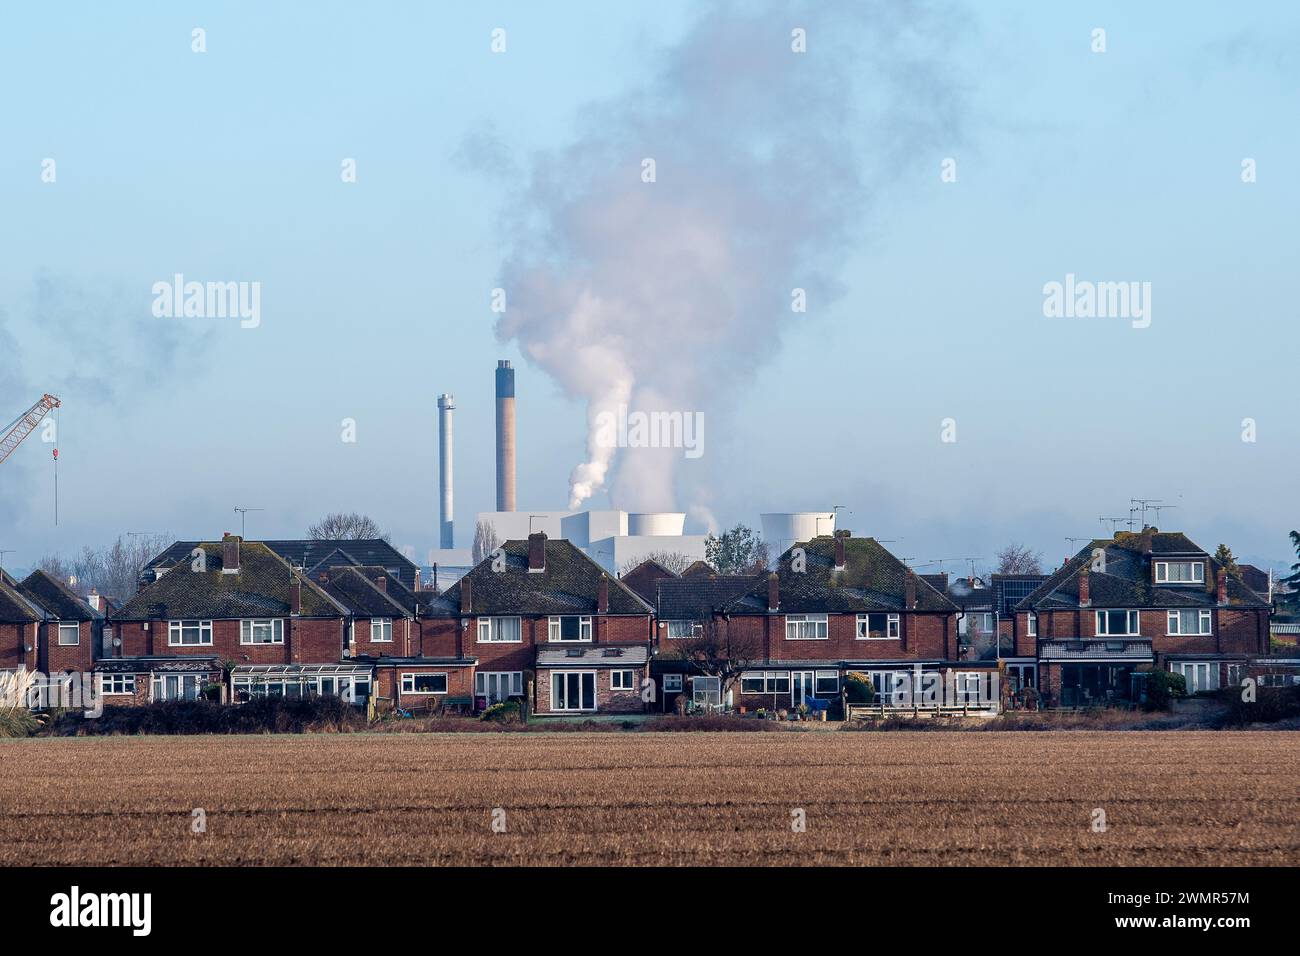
(485, 540)
(673, 561)
(351, 526)
(1019, 559)
(716, 651)
(113, 571)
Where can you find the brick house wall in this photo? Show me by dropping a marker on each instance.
(404, 643)
(923, 636)
(54, 657)
(607, 700)
(306, 641)
(388, 683)
(606, 629)
(13, 639)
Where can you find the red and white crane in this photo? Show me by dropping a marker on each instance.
(25, 424)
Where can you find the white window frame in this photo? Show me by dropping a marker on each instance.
(688, 626)
(515, 682)
(706, 681)
(595, 692)
(802, 622)
(771, 681)
(1031, 625)
(1132, 621)
(1211, 673)
(893, 627)
(176, 633)
(385, 626)
(114, 685)
(1198, 572)
(1204, 620)
(819, 676)
(673, 683)
(76, 633)
(246, 626)
(408, 684)
(554, 627)
(491, 625)
(622, 679)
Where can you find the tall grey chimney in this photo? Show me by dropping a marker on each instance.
(505, 436)
(446, 405)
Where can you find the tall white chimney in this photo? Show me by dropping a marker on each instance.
(446, 405)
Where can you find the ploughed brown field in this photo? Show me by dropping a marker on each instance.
(685, 798)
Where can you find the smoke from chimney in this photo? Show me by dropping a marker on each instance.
(664, 287)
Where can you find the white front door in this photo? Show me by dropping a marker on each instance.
(802, 684)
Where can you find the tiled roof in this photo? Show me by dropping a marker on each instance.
(1127, 580)
(59, 600)
(697, 598)
(593, 655)
(310, 553)
(355, 589)
(569, 585)
(15, 607)
(645, 577)
(871, 580)
(261, 588)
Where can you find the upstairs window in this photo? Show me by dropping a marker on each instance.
(69, 634)
(681, 629)
(1031, 624)
(261, 631)
(878, 627)
(381, 630)
(569, 628)
(499, 630)
(1180, 572)
(189, 633)
(1190, 623)
(806, 627)
(1117, 623)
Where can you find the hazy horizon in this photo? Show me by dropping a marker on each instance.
(520, 170)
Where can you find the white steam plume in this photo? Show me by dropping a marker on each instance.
(665, 295)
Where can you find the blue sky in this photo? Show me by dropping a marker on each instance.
(375, 294)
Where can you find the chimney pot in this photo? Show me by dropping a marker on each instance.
(466, 597)
(537, 551)
(602, 596)
(773, 591)
(1085, 596)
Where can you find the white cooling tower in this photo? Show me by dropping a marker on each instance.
(656, 523)
(783, 529)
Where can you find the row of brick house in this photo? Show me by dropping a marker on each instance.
(541, 620)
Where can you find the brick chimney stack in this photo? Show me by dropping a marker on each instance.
(381, 582)
(1085, 598)
(773, 591)
(230, 553)
(466, 598)
(602, 596)
(839, 552)
(295, 595)
(909, 590)
(537, 552)
(1221, 587)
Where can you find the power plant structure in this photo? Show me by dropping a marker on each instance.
(446, 533)
(505, 436)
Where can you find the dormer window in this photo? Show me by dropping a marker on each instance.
(1180, 572)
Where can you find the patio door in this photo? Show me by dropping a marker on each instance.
(802, 684)
(573, 690)
(1199, 676)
